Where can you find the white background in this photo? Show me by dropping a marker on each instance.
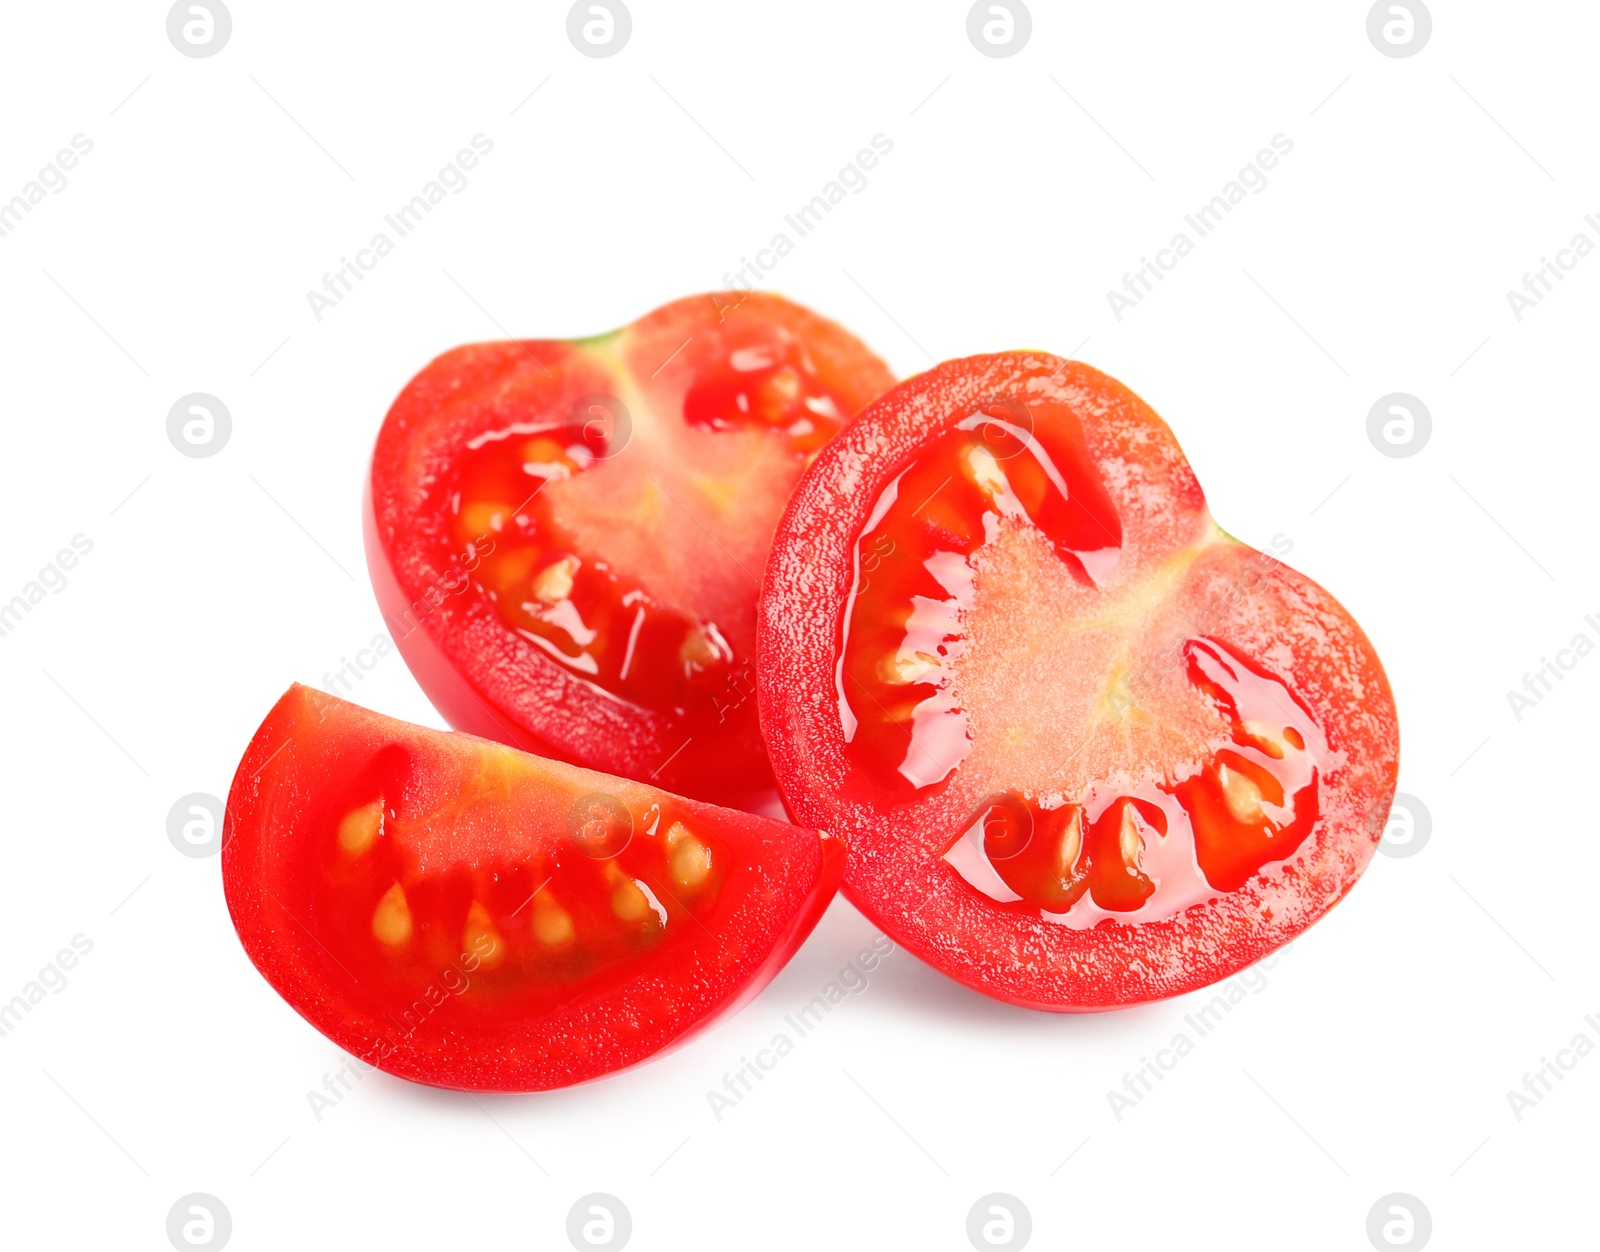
(177, 259)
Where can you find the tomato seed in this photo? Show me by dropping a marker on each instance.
(391, 920)
(359, 828)
(480, 938)
(552, 924)
(690, 859)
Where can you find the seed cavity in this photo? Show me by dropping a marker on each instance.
(689, 859)
(985, 472)
(782, 389)
(1071, 843)
(902, 712)
(1241, 794)
(552, 924)
(546, 458)
(480, 938)
(359, 828)
(1130, 843)
(902, 667)
(1276, 741)
(628, 901)
(699, 650)
(599, 623)
(553, 583)
(391, 920)
(485, 517)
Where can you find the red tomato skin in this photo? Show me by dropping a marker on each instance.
(309, 740)
(483, 677)
(1036, 964)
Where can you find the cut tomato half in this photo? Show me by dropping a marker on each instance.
(1086, 748)
(567, 537)
(462, 914)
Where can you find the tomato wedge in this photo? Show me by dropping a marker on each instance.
(1086, 748)
(567, 537)
(459, 913)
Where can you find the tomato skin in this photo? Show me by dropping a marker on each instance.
(895, 874)
(489, 679)
(279, 898)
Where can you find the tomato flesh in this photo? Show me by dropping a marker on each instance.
(602, 625)
(1088, 749)
(462, 914)
(567, 537)
(1154, 852)
(903, 632)
(764, 381)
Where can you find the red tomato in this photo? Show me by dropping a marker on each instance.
(567, 537)
(462, 914)
(1086, 748)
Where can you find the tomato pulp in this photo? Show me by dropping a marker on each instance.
(462, 914)
(567, 537)
(1086, 748)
